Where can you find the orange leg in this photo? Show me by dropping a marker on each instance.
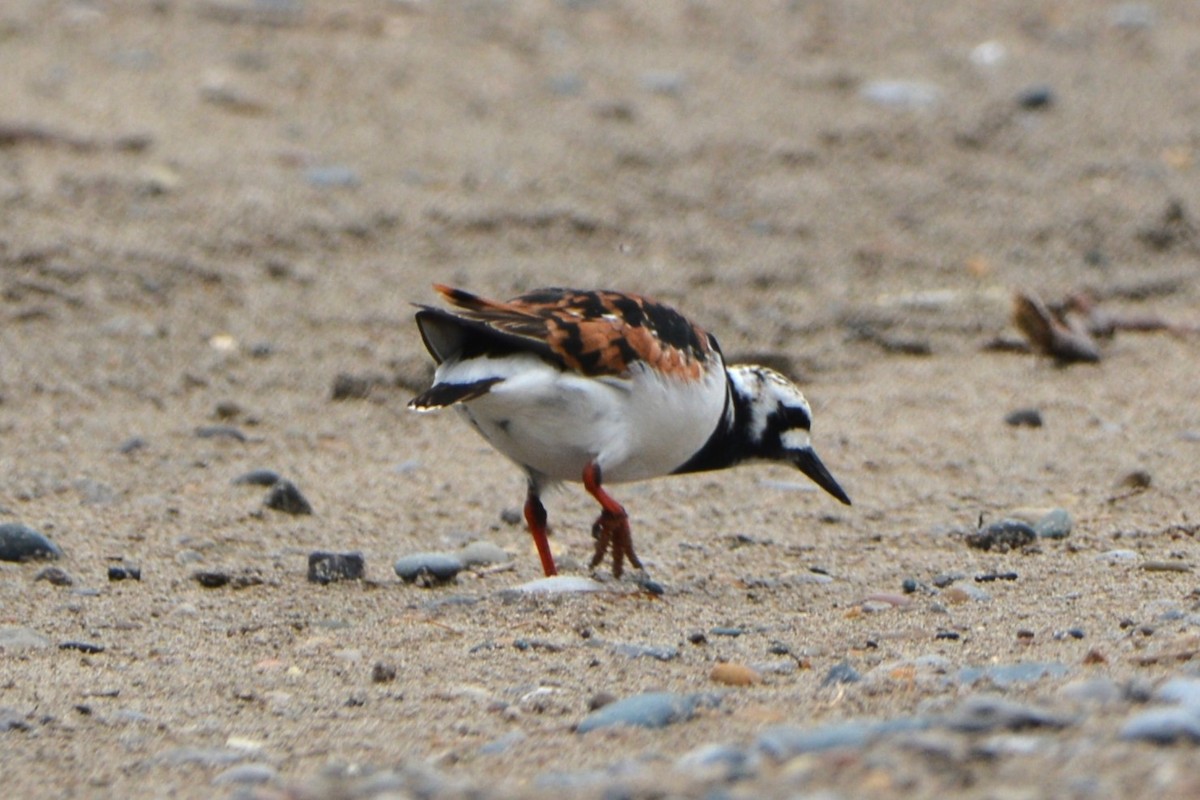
(611, 528)
(535, 517)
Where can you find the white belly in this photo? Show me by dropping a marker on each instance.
(554, 422)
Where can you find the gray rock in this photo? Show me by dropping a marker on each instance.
(1117, 556)
(333, 176)
(1164, 726)
(246, 774)
(12, 720)
(502, 744)
(56, 576)
(284, 496)
(482, 553)
(1093, 691)
(1005, 675)
(21, 639)
(901, 95)
(1055, 524)
(325, 567)
(204, 756)
(1002, 536)
(659, 652)
(985, 713)
(652, 710)
(1181, 691)
(723, 762)
(783, 742)
(257, 477)
(840, 673)
(560, 584)
(428, 568)
(22, 543)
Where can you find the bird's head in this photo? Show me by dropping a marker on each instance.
(776, 420)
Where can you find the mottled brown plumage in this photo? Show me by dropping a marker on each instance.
(596, 332)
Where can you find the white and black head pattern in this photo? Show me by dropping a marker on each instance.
(766, 418)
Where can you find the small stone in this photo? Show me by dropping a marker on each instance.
(83, 647)
(1036, 98)
(560, 584)
(1002, 536)
(1093, 691)
(12, 720)
(1137, 479)
(132, 445)
(512, 516)
(600, 700)
(899, 95)
(211, 579)
(332, 177)
(56, 576)
(727, 631)
(1117, 556)
(428, 568)
(124, 572)
(1164, 726)
(502, 744)
(481, 553)
(12, 639)
(284, 496)
(1003, 676)
(383, 673)
(246, 775)
(718, 762)
(657, 652)
(734, 674)
(1166, 566)
(1027, 417)
(652, 710)
(355, 387)
(1181, 691)
(1056, 524)
(784, 742)
(909, 585)
(984, 713)
(840, 673)
(22, 543)
(257, 477)
(220, 432)
(325, 567)
(202, 756)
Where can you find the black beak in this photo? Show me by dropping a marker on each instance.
(807, 462)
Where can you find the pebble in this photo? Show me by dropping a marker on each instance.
(1117, 556)
(428, 568)
(502, 744)
(1055, 524)
(657, 652)
(901, 95)
(651, 710)
(1002, 536)
(284, 496)
(512, 516)
(132, 444)
(325, 567)
(1093, 691)
(1005, 675)
(784, 742)
(246, 774)
(734, 674)
(482, 553)
(124, 572)
(1166, 566)
(840, 673)
(204, 756)
(984, 713)
(220, 432)
(1181, 691)
(257, 477)
(333, 176)
(56, 576)
(560, 584)
(1027, 417)
(718, 762)
(12, 720)
(21, 639)
(211, 579)
(22, 543)
(1038, 97)
(90, 648)
(1164, 725)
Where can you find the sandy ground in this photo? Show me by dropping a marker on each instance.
(212, 209)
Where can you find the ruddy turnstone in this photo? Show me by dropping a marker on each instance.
(604, 387)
